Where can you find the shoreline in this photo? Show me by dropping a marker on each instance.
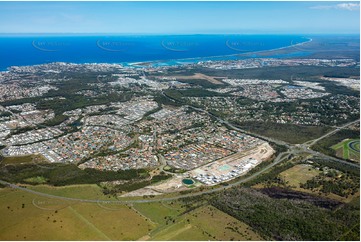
(216, 56)
(143, 64)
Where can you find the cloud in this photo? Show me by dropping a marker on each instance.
(348, 6)
(342, 6)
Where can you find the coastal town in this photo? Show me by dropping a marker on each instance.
(94, 130)
(273, 62)
(180, 120)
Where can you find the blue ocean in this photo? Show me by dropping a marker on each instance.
(18, 50)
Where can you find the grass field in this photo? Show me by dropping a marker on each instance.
(299, 174)
(53, 219)
(156, 212)
(26, 216)
(206, 223)
(180, 231)
(348, 149)
(120, 222)
(23, 159)
(87, 191)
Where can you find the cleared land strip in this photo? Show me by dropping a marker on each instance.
(89, 223)
(142, 215)
(211, 79)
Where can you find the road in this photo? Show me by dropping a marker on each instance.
(312, 142)
(277, 160)
(305, 147)
(279, 142)
(292, 150)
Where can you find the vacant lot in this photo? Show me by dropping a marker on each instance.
(23, 160)
(201, 76)
(299, 174)
(319, 183)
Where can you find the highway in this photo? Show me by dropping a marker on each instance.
(312, 142)
(277, 160)
(281, 157)
(292, 150)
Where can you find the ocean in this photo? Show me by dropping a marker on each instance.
(16, 50)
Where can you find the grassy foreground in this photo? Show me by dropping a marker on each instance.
(25, 216)
(28, 217)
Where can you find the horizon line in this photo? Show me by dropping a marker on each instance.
(115, 33)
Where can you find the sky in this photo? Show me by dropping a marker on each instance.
(181, 17)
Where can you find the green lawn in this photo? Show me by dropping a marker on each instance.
(343, 149)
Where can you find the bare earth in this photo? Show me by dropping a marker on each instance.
(261, 153)
(211, 79)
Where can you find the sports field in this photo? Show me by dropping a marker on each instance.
(348, 149)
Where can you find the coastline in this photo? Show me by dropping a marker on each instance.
(217, 56)
(178, 61)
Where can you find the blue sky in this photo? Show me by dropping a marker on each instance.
(180, 17)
